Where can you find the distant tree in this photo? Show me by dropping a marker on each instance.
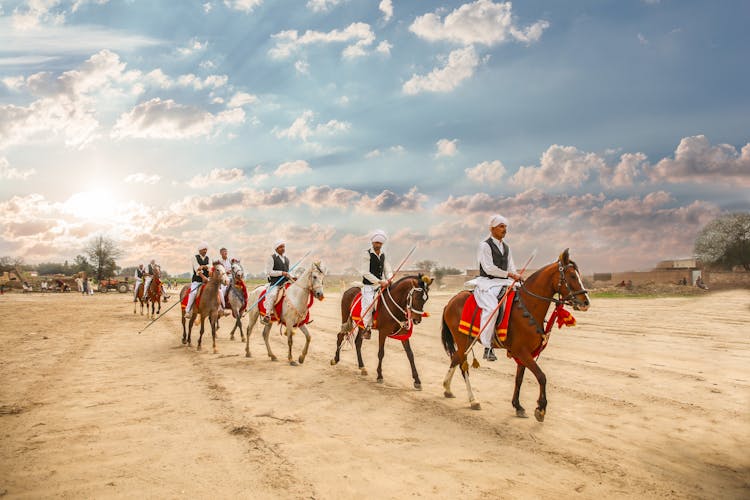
(8, 263)
(47, 268)
(425, 265)
(725, 242)
(102, 252)
(82, 265)
(128, 271)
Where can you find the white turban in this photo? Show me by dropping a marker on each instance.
(497, 219)
(202, 245)
(278, 243)
(378, 236)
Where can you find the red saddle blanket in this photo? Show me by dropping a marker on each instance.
(356, 313)
(472, 314)
(197, 302)
(279, 304)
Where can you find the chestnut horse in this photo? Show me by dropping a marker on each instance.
(209, 307)
(525, 329)
(401, 306)
(153, 294)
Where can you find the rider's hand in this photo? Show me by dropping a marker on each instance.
(514, 276)
(383, 283)
(286, 274)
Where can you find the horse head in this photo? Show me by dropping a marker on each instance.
(317, 273)
(237, 271)
(418, 296)
(570, 287)
(220, 273)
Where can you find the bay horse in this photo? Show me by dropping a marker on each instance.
(526, 333)
(140, 296)
(154, 292)
(401, 305)
(209, 306)
(295, 307)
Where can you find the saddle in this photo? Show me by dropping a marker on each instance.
(239, 285)
(356, 314)
(277, 306)
(472, 313)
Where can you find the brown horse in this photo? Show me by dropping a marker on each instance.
(153, 294)
(209, 306)
(401, 306)
(525, 329)
(141, 296)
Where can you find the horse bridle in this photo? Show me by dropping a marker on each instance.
(406, 322)
(570, 299)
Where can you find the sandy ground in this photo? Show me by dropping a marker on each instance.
(648, 398)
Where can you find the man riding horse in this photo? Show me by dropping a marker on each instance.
(496, 272)
(200, 264)
(225, 261)
(376, 273)
(277, 271)
(139, 272)
(149, 275)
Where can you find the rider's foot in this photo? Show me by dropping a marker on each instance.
(266, 320)
(367, 333)
(489, 355)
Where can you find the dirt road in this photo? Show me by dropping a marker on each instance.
(648, 398)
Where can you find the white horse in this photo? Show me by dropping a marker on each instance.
(294, 310)
(236, 299)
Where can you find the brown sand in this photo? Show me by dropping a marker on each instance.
(648, 398)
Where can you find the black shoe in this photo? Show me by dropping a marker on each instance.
(367, 333)
(489, 355)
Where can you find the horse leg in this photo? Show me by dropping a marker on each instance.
(289, 341)
(410, 355)
(302, 356)
(184, 331)
(266, 331)
(449, 376)
(203, 328)
(358, 345)
(246, 339)
(214, 325)
(343, 331)
(465, 372)
(531, 364)
(520, 412)
(191, 322)
(381, 353)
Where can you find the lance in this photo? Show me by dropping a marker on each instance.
(281, 278)
(380, 291)
(500, 303)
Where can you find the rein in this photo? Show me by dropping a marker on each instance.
(407, 322)
(566, 300)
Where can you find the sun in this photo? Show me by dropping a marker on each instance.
(95, 205)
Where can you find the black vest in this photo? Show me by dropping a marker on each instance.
(500, 260)
(202, 261)
(377, 265)
(150, 269)
(279, 264)
(139, 273)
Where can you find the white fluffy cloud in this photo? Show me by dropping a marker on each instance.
(240, 99)
(292, 168)
(303, 128)
(460, 65)
(386, 7)
(141, 178)
(322, 5)
(217, 176)
(696, 160)
(157, 119)
(482, 22)
(9, 173)
(359, 36)
(446, 148)
(486, 172)
(561, 166)
(243, 5)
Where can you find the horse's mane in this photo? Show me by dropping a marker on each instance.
(413, 277)
(534, 276)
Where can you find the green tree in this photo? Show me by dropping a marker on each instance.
(48, 268)
(725, 242)
(102, 252)
(81, 264)
(425, 265)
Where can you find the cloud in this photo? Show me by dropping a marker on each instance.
(141, 178)
(388, 201)
(6, 172)
(240, 99)
(487, 172)
(290, 41)
(696, 160)
(192, 47)
(377, 153)
(217, 176)
(302, 67)
(322, 5)
(626, 172)
(384, 48)
(246, 6)
(292, 168)
(386, 7)
(303, 128)
(446, 147)
(482, 22)
(562, 166)
(157, 119)
(460, 65)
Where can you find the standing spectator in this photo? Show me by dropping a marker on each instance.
(79, 282)
(91, 286)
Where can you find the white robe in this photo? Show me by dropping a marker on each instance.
(369, 291)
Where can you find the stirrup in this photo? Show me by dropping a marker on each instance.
(266, 320)
(367, 333)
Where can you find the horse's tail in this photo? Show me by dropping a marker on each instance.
(448, 343)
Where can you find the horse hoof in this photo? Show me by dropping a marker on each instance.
(274, 358)
(216, 351)
(363, 371)
(199, 348)
(184, 342)
(539, 414)
(380, 381)
(334, 362)
(448, 394)
(417, 386)
(521, 413)
(301, 359)
(292, 363)
(247, 355)
(231, 337)
(476, 406)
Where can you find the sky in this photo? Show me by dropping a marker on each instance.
(615, 128)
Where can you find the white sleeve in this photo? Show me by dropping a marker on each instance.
(511, 264)
(365, 267)
(484, 256)
(387, 271)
